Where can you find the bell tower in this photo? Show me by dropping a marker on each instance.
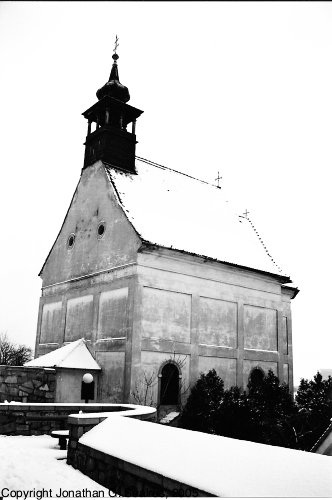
(108, 139)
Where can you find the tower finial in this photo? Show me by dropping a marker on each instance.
(113, 88)
(116, 45)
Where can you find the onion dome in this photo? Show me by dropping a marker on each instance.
(113, 88)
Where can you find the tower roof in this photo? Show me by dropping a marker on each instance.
(113, 88)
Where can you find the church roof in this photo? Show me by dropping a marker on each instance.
(73, 355)
(174, 210)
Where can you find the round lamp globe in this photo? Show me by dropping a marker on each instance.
(87, 378)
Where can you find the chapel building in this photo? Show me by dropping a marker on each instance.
(156, 273)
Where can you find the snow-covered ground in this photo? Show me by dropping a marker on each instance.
(33, 467)
(33, 463)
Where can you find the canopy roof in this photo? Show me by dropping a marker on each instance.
(73, 355)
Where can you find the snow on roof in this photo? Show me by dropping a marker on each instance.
(221, 466)
(73, 355)
(174, 210)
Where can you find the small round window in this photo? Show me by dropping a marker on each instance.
(71, 240)
(101, 229)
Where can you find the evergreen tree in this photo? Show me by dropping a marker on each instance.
(233, 417)
(272, 410)
(314, 404)
(203, 402)
(265, 413)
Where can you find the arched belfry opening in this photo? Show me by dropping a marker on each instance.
(169, 385)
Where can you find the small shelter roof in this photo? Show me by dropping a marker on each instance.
(73, 355)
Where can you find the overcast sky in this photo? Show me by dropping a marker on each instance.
(240, 88)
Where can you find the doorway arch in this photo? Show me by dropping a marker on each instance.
(169, 384)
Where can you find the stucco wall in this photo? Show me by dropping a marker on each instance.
(69, 383)
(111, 385)
(137, 308)
(260, 328)
(238, 319)
(94, 201)
(112, 321)
(166, 314)
(79, 318)
(217, 322)
(225, 368)
(51, 323)
(150, 370)
(209, 314)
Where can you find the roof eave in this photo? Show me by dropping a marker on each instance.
(281, 278)
(293, 290)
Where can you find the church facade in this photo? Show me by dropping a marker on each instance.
(140, 272)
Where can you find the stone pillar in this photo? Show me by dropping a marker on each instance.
(289, 358)
(194, 340)
(40, 315)
(240, 344)
(280, 343)
(133, 342)
(63, 318)
(95, 320)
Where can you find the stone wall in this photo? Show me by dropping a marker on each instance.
(36, 419)
(80, 424)
(27, 384)
(127, 479)
(119, 476)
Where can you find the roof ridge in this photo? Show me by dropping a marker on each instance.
(262, 242)
(158, 165)
(77, 342)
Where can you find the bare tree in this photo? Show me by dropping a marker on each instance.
(12, 354)
(144, 388)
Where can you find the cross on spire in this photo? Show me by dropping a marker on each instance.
(246, 213)
(116, 44)
(218, 179)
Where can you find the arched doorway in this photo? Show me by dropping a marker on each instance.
(256, 377)
(169, 385)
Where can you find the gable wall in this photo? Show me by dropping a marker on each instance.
(87, 289)
(93, 202)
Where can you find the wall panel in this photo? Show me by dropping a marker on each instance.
(51, 323)
(217, 322)
(166, 315)
(110, 389)
(112, 321)
(225, 368)
(260, 328)
(79, 318)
